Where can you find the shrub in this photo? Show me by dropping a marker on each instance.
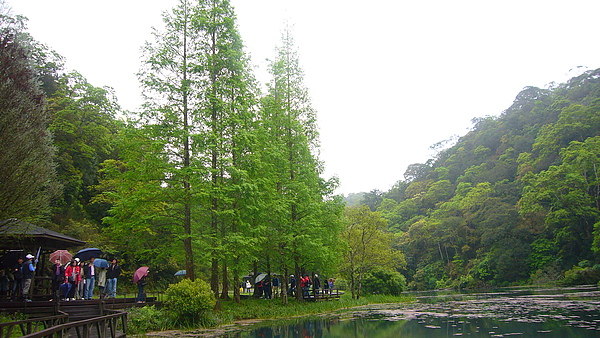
(190, 303)
(383, 281)
(581, 275)
(147, 318)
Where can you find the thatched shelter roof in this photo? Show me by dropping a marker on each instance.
(18, 234)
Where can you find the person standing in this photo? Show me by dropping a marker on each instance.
(28, 273)
(73, 277)
(113, 273)
(267, 288)
(58, 277)
(79, 291)
(292, 289)
(316, 284)
(276, 282)
(141, 297)
(305, 285)
(248, 286)
(89, 273)
(101, 275)
(17, 271)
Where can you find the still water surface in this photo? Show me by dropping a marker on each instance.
(572, 312)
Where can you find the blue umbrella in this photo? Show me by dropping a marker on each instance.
(101, 263)
(180, 273)
(86, 254)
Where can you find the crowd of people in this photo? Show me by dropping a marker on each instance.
(77, 279)
(268, 288)
(70, 281)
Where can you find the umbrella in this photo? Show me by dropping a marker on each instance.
(86, 254)
(140, 273)
(101, 263)
(260, 277)
(63, 255)
(180, 273)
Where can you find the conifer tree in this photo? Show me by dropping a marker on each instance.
(302, 225)
(198, 119)
(26, 156)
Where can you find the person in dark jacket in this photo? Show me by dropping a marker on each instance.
(267, 288)
(292, 289)
(275, 283)
(89, 273)
(113, 273)
(316, 284)
(17, 272)
(57, 273)
(28, 273)
(141, 297)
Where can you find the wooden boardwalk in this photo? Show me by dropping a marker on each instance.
(79, 318)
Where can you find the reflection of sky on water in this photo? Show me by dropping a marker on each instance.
(526, 313)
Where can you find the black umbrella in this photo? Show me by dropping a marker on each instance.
(86, 254)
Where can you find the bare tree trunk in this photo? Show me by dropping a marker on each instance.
(254, 275)
(284, 286)
(352, 285)
(225, 282)
(298, 273)
(236, 281)
(214, 281)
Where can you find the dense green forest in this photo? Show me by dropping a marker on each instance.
(515, 200)
(220, 179)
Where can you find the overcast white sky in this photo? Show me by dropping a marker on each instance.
(388, 78)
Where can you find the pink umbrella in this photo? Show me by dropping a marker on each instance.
(140, 273)
(63, 255)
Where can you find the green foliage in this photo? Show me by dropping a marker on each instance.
(18, 331)
(543, 253)
(581, 275)
(384, 281)
(27, 171)
(515, 199)
(147, 318)
(275, 308)
(190, 302)
(368, 244)
(84, 128)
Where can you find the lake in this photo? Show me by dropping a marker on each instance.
(524, 312)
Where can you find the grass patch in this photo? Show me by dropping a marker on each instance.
(153, 319)
(253, 308)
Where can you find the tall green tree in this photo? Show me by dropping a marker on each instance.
(228, 113)
(175, 169)
(303, 219)
(198, 119)
(27, 170)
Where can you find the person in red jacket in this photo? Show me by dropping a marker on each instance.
(73, 277)
(305, 285)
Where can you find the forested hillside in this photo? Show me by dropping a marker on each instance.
(515, 200)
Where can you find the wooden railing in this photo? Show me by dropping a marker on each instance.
(32, 325)
(106, 326)
(323, 294)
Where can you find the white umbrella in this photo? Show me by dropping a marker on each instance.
(260, 277)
